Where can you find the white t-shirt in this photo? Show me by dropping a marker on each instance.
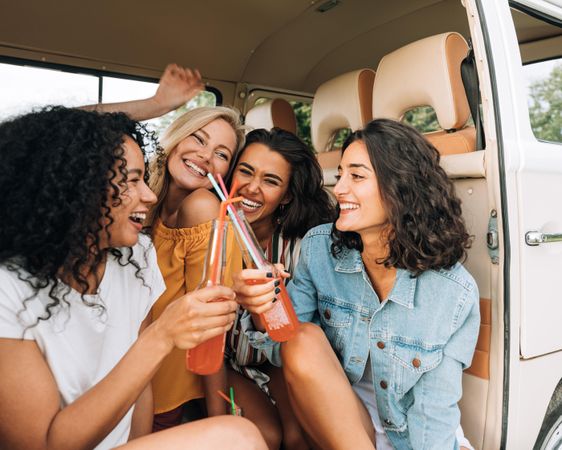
(80, 343)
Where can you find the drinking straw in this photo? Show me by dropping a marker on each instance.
(227, 400)
(258, 261)
(232, 401)
(221, 183)
(219, 251)
(257, 252)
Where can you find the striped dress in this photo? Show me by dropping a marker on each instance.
(239, 354)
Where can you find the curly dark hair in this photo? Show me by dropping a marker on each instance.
(310, 204)
(58, 170)
(426, 229)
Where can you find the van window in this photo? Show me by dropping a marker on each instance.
(302, 113)
(544, 96)
(540, 44)
(422, 118)
(23, 88)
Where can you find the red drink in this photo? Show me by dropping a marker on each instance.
(207, 357)
(280, 322)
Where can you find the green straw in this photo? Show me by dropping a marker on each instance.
(232, 404)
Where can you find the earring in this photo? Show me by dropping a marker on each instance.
(280, 213)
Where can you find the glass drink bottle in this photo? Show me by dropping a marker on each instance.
(207, 357)
(281, 322)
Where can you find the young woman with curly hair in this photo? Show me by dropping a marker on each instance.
(202, 140)
(390, 316)
(281, 183)
(77, 282)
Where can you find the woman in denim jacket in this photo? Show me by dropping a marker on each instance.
(382, 296)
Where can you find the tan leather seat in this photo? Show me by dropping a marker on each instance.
(427, 73)
(342, 102)
(275, 112)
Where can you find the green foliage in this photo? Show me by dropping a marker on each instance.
(422, 119)
(545, 106)
(302, 112)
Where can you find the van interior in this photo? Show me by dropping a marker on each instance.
(348, 62)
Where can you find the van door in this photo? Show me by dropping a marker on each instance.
(532, 171)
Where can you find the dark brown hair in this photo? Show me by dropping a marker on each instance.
(310, 204)
(426, 229)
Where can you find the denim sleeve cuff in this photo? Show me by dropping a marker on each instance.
(260, 340)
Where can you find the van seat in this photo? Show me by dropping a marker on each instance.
(428, 73)
(276, 112)
(342, 102)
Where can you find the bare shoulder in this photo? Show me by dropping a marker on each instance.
(198, 207)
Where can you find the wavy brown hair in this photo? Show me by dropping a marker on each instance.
(426, 230)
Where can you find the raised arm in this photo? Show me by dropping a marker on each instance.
(28, 388)
(177, 86)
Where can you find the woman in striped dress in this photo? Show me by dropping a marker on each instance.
(282, 186)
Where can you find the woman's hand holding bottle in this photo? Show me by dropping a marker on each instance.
(195, 317)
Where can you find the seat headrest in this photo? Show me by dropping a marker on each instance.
(424, 73)
(276, 112)
(342, 102)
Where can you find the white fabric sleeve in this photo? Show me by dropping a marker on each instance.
(13, 315)
(146, 253)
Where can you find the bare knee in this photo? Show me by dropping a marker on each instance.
(298, 353)
(242, 433)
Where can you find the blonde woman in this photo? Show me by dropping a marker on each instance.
(203, 140)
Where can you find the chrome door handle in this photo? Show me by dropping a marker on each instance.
(535, 238)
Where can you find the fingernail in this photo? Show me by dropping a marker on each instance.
(286, 271)
(276, 283)
(269, 275)
(274, 300)
(277, 290)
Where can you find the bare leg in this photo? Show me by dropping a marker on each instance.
(293, 434)
(322, 398)
(224, 432)
(257, 407)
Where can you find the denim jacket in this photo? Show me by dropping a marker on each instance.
(419, 340)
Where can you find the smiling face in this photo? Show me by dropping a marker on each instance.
(357, 193)
(136, 198)
(263, 176)
(209, 149)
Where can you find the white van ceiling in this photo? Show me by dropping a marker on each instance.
(285, 44)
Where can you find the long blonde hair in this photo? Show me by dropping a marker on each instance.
(184, 126)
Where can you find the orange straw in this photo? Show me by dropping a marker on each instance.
(227, 399)
(233, 188)
(222, 215)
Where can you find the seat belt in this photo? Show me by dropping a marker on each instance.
(469, 76)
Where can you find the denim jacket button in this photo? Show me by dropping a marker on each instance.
(380, 345)
(416, 362)
(383, 384)
(327, 314)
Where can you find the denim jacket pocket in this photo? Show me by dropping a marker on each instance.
(411, 361)
(335, 321)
